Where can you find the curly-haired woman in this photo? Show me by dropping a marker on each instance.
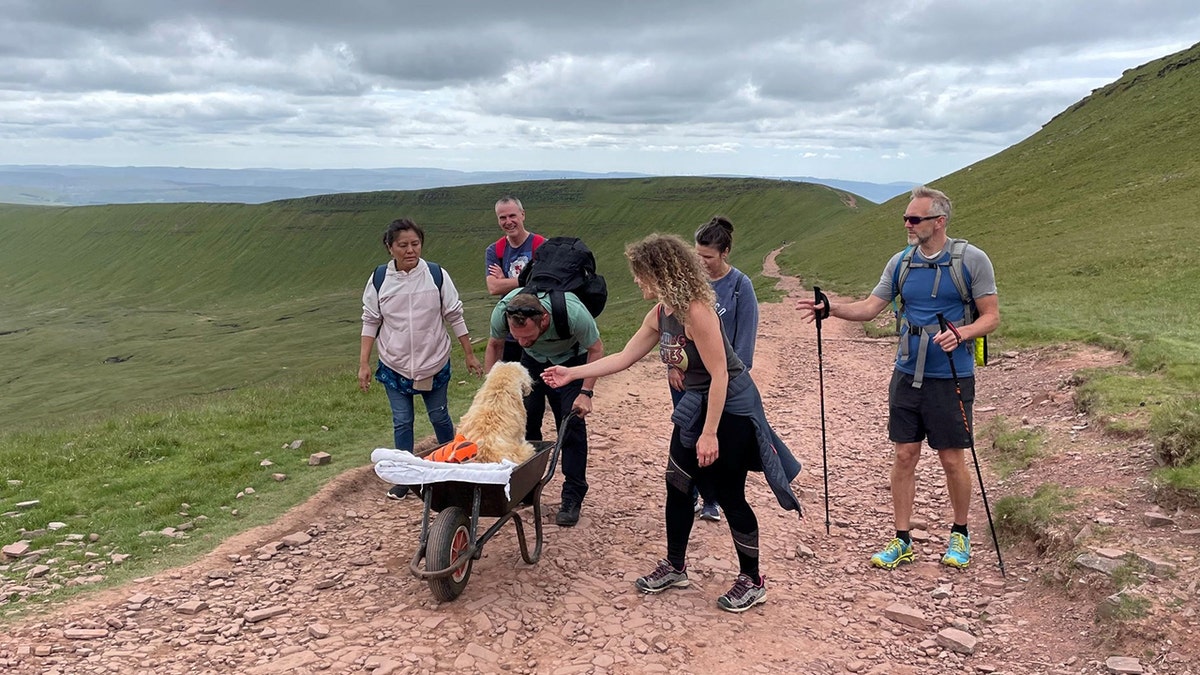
(721, 431)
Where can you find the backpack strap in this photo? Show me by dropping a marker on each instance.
(737, 291)
(377, 277)
(502, 243)
(558, 312)
(435, 271)
(957, 276)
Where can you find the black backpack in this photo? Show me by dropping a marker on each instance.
(565, 265)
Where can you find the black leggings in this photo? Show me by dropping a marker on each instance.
(724, 479)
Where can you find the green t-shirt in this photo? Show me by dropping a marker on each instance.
(550, 347)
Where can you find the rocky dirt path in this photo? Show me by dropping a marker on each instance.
(338, 596)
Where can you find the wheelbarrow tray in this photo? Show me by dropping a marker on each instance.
(493, 503)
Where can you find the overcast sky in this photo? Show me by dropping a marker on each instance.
(853, 89)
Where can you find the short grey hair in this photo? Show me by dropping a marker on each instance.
(941, 203)
(509, 199)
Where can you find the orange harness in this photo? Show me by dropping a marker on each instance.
(456, 451)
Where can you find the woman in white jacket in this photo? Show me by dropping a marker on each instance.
(406, 317)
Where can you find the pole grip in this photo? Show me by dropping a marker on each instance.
(819, 297)
(942, 321)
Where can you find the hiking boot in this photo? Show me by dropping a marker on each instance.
(744, 594)
(568, 514)
(895, 553)
(398, 492)
(959, 553)
(663, 577)
(710, 512)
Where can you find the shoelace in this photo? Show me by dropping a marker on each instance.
(897, 547)
(664, 568)
(740, 586)
(958, 543)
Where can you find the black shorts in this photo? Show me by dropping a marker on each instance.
(931, 412)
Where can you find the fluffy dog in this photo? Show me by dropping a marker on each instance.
(496, 419)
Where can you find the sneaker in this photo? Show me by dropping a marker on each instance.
(959, 553)
(696, 504)
(568, 514)
(397, 492)
(710, 512)
(663, 577)
(895, 553)
(744, 594)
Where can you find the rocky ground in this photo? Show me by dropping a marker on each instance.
(327, 588)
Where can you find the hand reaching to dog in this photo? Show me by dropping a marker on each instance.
(557, 376)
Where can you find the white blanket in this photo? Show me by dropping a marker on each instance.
(402, 468)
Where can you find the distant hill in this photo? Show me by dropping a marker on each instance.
(161, 302)
(91, 185)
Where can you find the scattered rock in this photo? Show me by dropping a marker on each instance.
(296, 539)
(1126, 665)
(319, 458)
(956, 640)
(295, 445)
(16, 549)
(318, 631)
(256, 615)
(1156, 519)
(1090, 561)
(89, 633)
(191, 607)
(37, 571)
(279, 477)
(905, 615)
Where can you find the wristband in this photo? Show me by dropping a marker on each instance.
(587, 392)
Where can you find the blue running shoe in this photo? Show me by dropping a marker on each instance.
(893, 554)
(959, 553)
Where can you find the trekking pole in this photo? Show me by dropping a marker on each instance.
(946, 325)
(820, 298)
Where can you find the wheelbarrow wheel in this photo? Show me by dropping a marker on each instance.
(449, 540)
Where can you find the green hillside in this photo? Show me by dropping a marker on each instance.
(114, 306)
(1091, 225)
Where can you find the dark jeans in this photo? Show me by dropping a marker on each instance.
(573, 449)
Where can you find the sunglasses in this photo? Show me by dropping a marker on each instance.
(523, 312)
(917, 220)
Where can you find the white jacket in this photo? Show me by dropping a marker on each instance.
(412, 340)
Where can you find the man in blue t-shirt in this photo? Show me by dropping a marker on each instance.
(516, 249)
(922, 401)
(528, 318)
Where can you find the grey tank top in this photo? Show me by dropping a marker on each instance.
(677, 351)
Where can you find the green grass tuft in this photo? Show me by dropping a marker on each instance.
(1014, 448)
(1031, 518)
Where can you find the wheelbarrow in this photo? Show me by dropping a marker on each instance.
(451, 543)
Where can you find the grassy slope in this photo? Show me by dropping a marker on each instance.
(200, 297)
(1090, 224)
